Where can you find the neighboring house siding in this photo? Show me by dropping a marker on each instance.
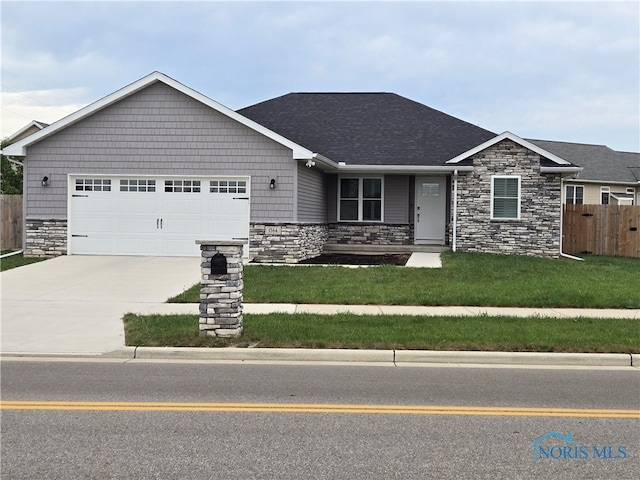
(593, 192)
(312, 195)
(537, 232)
(396, 198)
(160, 131)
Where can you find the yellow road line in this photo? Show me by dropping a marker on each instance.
(318, 408)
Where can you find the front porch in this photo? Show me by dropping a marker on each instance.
(381, 249)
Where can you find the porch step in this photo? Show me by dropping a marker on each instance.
(381, 249)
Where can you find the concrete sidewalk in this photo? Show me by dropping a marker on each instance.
(265, 308)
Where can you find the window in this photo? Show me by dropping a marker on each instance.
(604, 195)
(93, 185)
(574, 194)
(228, 186)
(360, 199)
(137, 185)
(505, 197)
(182, 186)
(430, 189)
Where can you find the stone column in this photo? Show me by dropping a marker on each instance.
(221, 294)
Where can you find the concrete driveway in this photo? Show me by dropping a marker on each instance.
(75, 304)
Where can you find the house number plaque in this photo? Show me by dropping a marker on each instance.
(272, 230)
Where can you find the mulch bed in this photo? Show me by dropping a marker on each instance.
(345, 259)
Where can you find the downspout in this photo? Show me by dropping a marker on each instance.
(562, 254)
(455, 209)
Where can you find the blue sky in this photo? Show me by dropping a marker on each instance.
(566, 71)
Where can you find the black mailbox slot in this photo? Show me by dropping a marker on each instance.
(218, 264)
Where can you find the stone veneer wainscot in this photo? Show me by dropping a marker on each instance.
(45, 237)
(286, 243)
(370, 234)
(537, 232)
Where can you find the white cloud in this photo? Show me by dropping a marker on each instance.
(48, 106)
(521, 65)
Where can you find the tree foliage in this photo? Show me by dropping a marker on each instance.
(11, 175)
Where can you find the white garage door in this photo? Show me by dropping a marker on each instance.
(123, 215)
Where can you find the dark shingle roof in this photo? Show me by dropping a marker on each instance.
(600, 162)
(368, 128)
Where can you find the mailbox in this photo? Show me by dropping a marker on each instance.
(218, 264)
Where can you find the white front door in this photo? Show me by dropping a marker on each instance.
(126, 215)
(431, 210)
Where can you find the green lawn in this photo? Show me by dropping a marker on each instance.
(465, 279)
(481, 333)
(16, 261)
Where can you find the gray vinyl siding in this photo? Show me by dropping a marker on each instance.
(160, 131)
(312, 195)
(396, 198)
(332, 200)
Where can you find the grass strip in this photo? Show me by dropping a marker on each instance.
(465, 279)
(481, 333)
(18, 260)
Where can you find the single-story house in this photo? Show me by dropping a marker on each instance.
(608, 176)
(154, 166)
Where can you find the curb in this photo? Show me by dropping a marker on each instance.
(391, 357)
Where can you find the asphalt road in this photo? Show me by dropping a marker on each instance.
(153, 420)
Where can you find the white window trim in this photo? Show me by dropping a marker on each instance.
(606, 190)
(360, 199)
(574, 186)
(519, 178)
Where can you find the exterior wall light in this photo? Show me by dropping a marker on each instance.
(45, 181)
(272, 184)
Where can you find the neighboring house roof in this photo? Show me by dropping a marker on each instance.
(600, 163)
(377, 129)
(18, 148)
(29, 129)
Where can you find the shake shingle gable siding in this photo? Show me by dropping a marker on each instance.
(368, 128)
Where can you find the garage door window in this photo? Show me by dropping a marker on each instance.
(182, 186)
(137, 185)
(93, 185)
(228, 186)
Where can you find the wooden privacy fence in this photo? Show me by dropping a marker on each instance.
(602, 230)
(11, 216)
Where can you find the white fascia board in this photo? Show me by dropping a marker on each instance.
(571, 170)
(402, 169)
(323, 161)
(299, 152)
(515, 138)
(602, 182)
(18, 148)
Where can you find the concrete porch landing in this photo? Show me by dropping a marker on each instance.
(381, 249)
